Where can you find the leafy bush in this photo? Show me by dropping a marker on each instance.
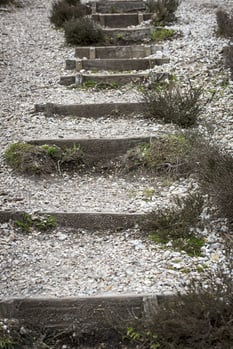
(228, 58)
(164, 10)
(174, 224)
(174, 105)
(83, 31)
(37, 160)
(65, 10)
(224, 23)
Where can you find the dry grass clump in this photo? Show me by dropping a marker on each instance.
(65, 10)
(83, 31)
(175, 224)
(164, 10)
(167, 155)
(180, 106)
(225, 23)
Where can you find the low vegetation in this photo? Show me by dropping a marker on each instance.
(176, 224)
(180, 106)
(169, 155)
(84, 32)
(225, 23)
(160, 34)
(164, 10)
(27, 223)
(41, 160)
(66, 10)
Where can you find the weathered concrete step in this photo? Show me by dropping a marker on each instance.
(132, 51)
(83, 314)
(118, 6)
(119, 64)
(97, 149)
(117, 79)
(121, 20)
(119, 36)
(91, 110)
(84, 220)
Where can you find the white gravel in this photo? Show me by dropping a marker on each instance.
(32, 59)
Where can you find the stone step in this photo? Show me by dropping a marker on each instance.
(83, 315)
(97, 149)
(113, 80)
(118, 6)
(132, 51)
(120, 64)
(94, 110)
(121, 20)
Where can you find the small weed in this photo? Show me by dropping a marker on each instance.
(164, 10)
(225, 23)
(147, 194)
(100, 85)
(174, 105)
(65, 10)
(142, 338)
(83, 31)
(175, 225)
(27, 223)
(160, 34)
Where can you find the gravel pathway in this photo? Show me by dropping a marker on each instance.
(32, 59)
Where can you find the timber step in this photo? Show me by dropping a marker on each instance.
(111, 80)
(84, 220)
(132, 51)
(94, 110)
(97, 149)
(125, 36)
(120, 64)
(121, 20)
(118, 6)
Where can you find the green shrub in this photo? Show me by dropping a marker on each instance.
(83, 31)
(174, 105)
(65, 10)
(164, 10)
(160, 34)
(175, 224)
(224, 23)
(27, 223)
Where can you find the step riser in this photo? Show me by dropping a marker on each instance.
(114, 64)
(91, 110)
(83, 314)
(121, 20)
(118, 6)
(136, 51)
(86, 220)
(115, 36)
(97, 149)
(119, 79)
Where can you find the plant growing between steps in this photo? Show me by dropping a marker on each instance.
(83, 31)
(199, 318)
(65, 10)
(175, 225)
(28, 222)
(164, 10)
(169, 155)
(160, 34)
(41, 160)
(180, 106)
